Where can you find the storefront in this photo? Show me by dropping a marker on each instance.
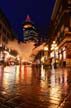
(62, 56)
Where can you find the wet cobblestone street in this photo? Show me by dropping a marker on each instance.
(35, 87)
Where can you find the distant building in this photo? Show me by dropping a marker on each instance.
(30, 32)
(60, 30)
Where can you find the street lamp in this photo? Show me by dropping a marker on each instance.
(54, 48)
(45, 48)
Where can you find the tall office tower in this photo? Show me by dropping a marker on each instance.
(29, 31)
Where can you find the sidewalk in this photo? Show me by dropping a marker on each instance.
(66, 103)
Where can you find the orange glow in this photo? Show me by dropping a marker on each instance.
(27, 26)
(23, 48)
(64, 55)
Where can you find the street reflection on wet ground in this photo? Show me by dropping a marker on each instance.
(35, 87)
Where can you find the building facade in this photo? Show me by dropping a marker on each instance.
(6, 34)
(60, 31)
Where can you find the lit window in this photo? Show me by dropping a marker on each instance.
(64, 55)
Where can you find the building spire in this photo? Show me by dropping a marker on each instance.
(28, 18)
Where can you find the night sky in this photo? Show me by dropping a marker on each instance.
(39, 11)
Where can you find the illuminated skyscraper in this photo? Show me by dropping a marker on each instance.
(29, 31)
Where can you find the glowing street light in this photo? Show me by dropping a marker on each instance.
(46, 48)
(54, 46)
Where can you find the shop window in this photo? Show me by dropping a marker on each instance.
(60, 56)
(66, 29)
(64, 55)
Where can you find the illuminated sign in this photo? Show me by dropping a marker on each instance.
(27, 26)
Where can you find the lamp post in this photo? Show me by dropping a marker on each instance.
(54, 48)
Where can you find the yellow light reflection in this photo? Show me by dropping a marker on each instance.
(23, 74)
(53, 77)
(17, 74)
(9, 78)
(6, 77)
(44, 82)
(58, 85)
(55, 93)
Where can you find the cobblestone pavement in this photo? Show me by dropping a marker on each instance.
(35, 87)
